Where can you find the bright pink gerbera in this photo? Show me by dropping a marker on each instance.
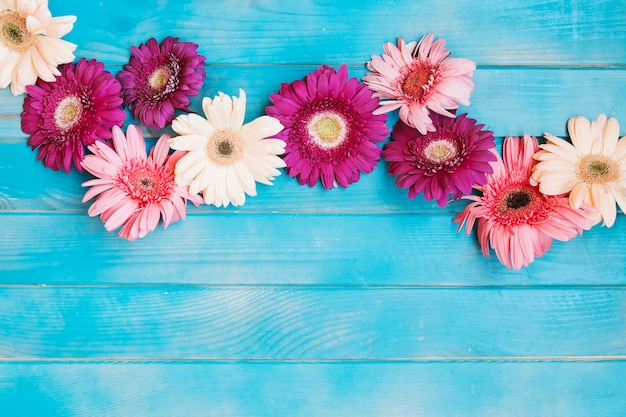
(330, 130)
(448, 160)
(160, 78)
(78, 108)
(514, 217)
(134, 190)
(419, 78)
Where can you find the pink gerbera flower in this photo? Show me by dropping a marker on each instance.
(514, 217)
(160, 78)
(448, 160)
(78, 108)
(330, 129)
(135, 190)
(418, 78)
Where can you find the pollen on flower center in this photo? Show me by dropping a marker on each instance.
(148, 184)
(327, 129)
(418, 82)
(440, 151)
(159, 78)
(224, 147)
(68, 112)
(14, 34)
(597, 169)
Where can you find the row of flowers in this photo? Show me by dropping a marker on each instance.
(325, 128)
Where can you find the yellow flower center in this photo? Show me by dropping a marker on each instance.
(327, 129)
(440, 151)
(597, 169)
(224, 147)
(159, 78)
(13, 32)
(68, 113)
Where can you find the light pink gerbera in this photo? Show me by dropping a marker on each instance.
(419, 78)
(160, 78)
(78, 108)
(135, 190)
(514, 217)
(449, 160)
(330, 129)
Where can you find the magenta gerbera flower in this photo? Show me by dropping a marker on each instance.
(135, 190)
(160, 78)
(330, 129)
(514, 217)
(448, 160)
(419, 78)
(78, 108)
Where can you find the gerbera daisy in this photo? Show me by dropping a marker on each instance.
(514, 217)
(226, 157)
(160, 78)
(418, 78)
(79, 107)
(592, 169)
(330, 130)
(134, 190)
(30, 44)
(448, 160)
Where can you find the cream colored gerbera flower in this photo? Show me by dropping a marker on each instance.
(30, 44)
(592, 169)
(226, 158)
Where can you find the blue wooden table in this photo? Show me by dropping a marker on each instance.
(313, 302)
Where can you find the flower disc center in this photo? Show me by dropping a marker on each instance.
(13, 32)
(440, 151)
(148, 184)
(327, 129)
(224, 147)
(68, 112)
(159, 78)
(417, 83)
(517, 199)
(597, 169)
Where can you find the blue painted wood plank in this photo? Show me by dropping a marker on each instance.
(311, 323)
(280, 249)
(510, 101)
(486, 389)
(516, 32)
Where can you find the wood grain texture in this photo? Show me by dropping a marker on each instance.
(455, 389)
(287, 249)
(311, 323)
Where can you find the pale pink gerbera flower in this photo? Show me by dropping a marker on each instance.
(160, 78)
(30, 44)
(514, 217)
(592, 169)
(135, 190)
(447, 161)
(78, 108)
(419, 78)
(330, 129)
(226, 158)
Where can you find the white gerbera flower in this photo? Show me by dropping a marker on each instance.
(225, 157)
(592, 169)
(30, 44)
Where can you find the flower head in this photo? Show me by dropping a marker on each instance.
(30, 44)
(448, 160)
(134, 190)
(592, 169)
(419, 78)
(79, 107)
(160, 78)
(330, 130)
(514, 217)
(226, 158)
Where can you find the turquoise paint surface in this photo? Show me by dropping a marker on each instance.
(308, 302)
